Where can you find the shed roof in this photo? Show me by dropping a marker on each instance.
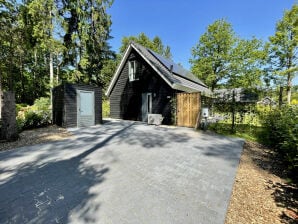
(173, 74)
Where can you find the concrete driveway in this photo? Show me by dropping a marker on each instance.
(121, 172)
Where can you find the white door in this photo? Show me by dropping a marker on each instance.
(85, 108)
(146, 105)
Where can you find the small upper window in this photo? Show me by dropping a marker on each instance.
(132, 70)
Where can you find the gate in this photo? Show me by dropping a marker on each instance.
(188, 109)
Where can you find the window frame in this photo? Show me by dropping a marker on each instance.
(132, 70)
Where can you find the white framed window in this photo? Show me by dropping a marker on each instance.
(132, 70)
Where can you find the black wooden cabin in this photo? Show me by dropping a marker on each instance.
(146, 83)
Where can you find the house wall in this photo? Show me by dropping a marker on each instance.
(126, 96)
(65, 104)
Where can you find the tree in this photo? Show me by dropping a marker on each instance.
(107, 71)
(8, 42)
(87, 28)
(155, 44)
(283, 50)
(247, 63)
(41, 14)
(222, 59)
(9, 49)
(211, 57)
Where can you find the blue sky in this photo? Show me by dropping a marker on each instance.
(180, 23)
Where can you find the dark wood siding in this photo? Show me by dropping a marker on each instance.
(58, 102)
(70, 106)
(65, 97)
(126, 96)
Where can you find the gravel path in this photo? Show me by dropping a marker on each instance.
(260, 195)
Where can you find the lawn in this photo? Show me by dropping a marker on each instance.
(246, 131)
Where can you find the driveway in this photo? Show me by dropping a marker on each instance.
(121, 172)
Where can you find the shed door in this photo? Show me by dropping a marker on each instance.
(146, 105)
(85, 110)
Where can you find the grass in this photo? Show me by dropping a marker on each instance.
(245, 131)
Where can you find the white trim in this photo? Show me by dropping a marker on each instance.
(133, 67)
(131, 70)
(117, 73)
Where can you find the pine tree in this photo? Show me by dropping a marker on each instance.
(87, 31)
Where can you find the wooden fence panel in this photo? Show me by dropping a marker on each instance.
(188, 108)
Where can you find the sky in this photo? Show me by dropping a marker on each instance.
(180, 23)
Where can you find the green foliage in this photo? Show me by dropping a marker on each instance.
(173, 103)
(283, 50)
(246, 119)
(248, 60)
(246, 131)
(105, 108)
(220, 58)
(36, 119)
(106, 73)
(87, 28)
(9, 41)
(42, 104)
(45, 42)
(20, 107)
(212, 55)
(281, 132)
(155, 44)
(37, 115)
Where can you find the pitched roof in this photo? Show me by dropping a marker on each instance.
(174, 75)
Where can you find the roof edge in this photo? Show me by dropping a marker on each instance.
(119, 68)
(124, 59)
(154, 68)
(183, 88)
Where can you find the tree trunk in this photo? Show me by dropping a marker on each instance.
(58, 68)
(51, 71)
(9, 126)
(280, 96)
(233, 129)
(10, 74)
(289, 86)
(34, 74)
(23, 95)
(51, 82)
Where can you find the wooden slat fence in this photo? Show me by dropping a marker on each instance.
(188, 108)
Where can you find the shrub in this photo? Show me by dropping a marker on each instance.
(20, 107)
(106, 108)
(42, 104)
(281, 131)
(37, 115)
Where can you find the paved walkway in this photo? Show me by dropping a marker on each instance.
(120, 173)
